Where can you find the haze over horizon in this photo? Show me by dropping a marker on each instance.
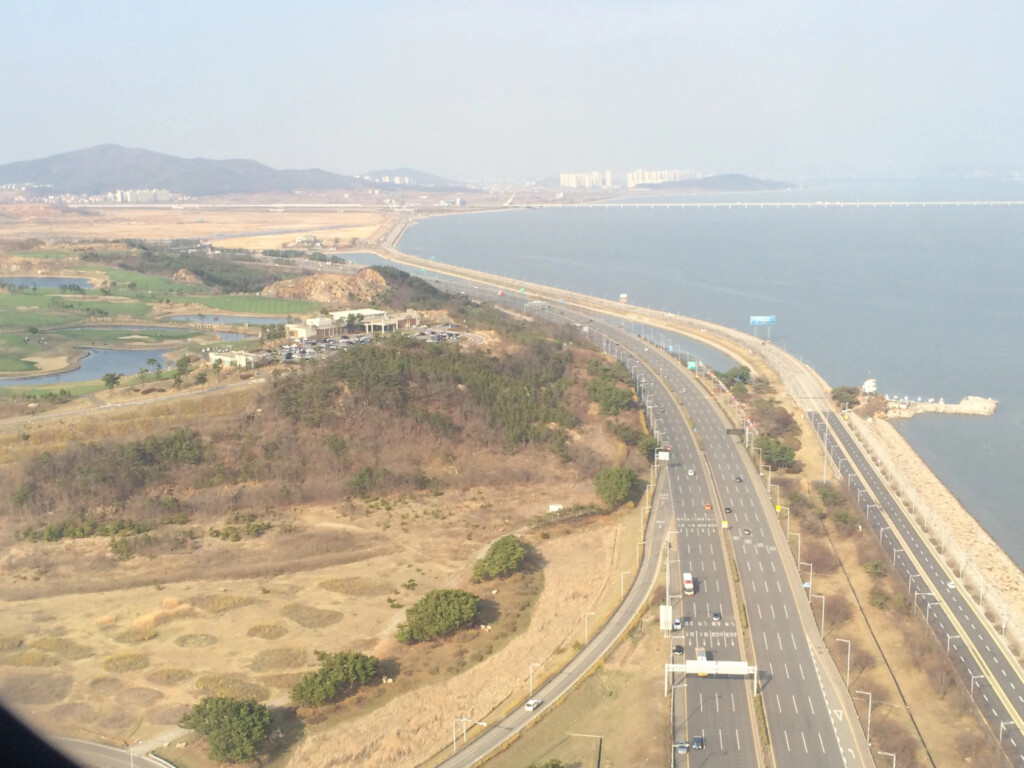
(481, 92)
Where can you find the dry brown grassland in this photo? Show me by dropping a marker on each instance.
(108, 650)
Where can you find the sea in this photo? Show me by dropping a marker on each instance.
(928, 300)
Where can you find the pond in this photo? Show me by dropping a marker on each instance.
(46, 282)
(97, 363)
(229, 319)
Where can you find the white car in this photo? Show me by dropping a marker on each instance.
(689, 472)
(532, 704)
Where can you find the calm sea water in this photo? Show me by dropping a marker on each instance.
(930, 301)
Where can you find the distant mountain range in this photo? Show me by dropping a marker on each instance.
(726, 182)
(111, 167)
(411, 177)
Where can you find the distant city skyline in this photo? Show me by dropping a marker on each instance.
(526, 90)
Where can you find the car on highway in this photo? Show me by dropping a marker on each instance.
(728, 510)
(682, 748)
(716, 616)
(532, 704)
(689, 472)
(746, 531)
(950, 585)
(678, 650)
(739, 479)
(698, 742)
(707, 505)
(677, 624)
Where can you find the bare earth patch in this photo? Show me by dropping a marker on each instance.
(310, 617)
(169, 676)
(73, 714)
(235, 686)
(36, 688)
(281, 658)
(126, 662)
(196, 641)
(268, 631)
(131, 698)
(169, 714)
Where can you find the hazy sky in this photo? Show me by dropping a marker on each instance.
(491, 90)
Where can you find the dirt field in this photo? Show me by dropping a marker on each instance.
(230, 227)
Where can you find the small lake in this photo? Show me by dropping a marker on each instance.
(218, 319)
(46, 282)
(97, 363)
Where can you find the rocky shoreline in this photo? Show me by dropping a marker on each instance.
(968, 406)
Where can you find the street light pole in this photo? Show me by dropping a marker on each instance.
(810, 578)
(840, 640)
(586, 626)
(889, 754)
(868, 694)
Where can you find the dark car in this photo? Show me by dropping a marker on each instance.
(728, 510)
(698, 742)
(678, 650)
(716, 617)
(739, 479)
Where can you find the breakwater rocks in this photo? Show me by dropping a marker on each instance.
(970, 406)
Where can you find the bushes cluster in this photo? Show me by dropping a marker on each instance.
(235, 728)
(439, 613)
(504, 557)
(339, 674)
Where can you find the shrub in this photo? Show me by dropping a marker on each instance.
(439, 613)
(505, 556)
(614, 485)
(339, 674)
(234, 728)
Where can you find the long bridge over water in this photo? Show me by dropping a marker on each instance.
(792, 204)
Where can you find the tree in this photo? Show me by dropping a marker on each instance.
(846, 397)
(830, 496)
(552, 763)
(775, 453)
(143, 370)
(738, 373)
(183, 367)
(201, 379)
(611, 398)
(339, 674)
(218, 366)
(438, 613)
(876, 568)
(503, 557)
(234, 728)
(111, 380)
(615, 485)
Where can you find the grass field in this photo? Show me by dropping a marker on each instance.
(154, 283)
(256, 305)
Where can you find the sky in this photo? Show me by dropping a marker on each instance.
(491, 91)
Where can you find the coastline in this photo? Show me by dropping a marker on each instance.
(994, 570)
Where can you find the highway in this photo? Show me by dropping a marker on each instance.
(91, 755)
(806, 705)
(988, 670)
(986, 667)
